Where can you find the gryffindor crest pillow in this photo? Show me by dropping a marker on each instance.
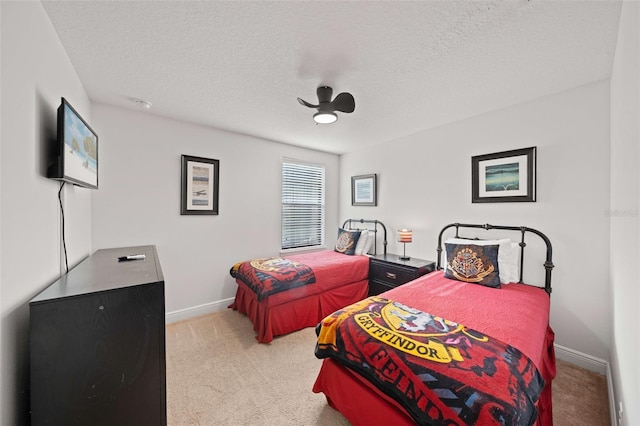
(347, 241)
(473, 264)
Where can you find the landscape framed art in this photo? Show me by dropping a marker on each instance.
(501, 177)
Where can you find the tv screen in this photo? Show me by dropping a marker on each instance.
(76, 159)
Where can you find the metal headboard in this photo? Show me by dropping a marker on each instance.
(548, 264)
(348, 225)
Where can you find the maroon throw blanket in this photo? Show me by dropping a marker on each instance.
(441, 372)
(271, 275)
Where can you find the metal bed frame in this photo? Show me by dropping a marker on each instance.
(348, 225)
(548, 264)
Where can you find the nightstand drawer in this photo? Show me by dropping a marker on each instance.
(391, 274)
(387, 271)
(377, 287)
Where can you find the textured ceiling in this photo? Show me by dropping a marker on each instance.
(240, 65)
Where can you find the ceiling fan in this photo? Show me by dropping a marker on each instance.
(326, 107)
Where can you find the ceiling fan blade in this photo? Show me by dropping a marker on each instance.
(307, 104)
(324, 94)
(344, 102)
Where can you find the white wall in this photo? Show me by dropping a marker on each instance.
(625, 204)
(36, 73)
(139, 201)
(1, 334)
(425, 183)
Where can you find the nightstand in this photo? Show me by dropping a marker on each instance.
(387, 271)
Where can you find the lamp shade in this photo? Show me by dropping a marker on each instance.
(325, 117)
(404, 235)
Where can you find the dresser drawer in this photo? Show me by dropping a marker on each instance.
(391, 274)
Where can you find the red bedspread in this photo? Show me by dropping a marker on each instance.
(440, 371)
(340, 280)
(515, 314)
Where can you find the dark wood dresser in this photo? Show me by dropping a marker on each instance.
(97, 343)
(387, 271)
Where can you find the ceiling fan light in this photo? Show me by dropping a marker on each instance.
(325, 117)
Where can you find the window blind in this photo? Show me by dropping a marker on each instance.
(302, 205)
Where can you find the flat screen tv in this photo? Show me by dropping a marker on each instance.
(75, 158)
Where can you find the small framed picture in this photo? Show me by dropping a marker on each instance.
(508, 176)
(200, 183)
(364, 190)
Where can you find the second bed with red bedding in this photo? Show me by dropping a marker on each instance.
(338, 280)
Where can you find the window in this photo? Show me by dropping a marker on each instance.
(302, 205)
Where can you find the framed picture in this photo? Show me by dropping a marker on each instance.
(364, 190)
(507, 176)
(200, 182)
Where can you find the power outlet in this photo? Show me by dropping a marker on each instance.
(620, 412)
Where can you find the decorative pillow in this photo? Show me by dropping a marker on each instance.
(361, 247)
(347, 241)
(504, 255)
(473, 264)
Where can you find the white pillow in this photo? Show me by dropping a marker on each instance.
(370, 242)
(514, 262)
(504, 255)
(363, 241)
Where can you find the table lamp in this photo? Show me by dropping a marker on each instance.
(404, 236)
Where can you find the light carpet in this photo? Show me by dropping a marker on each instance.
(218, 374)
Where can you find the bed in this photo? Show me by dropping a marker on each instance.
(442, 351)
(315, 283)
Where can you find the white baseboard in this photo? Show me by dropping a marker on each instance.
(612, 398)
(594, 364)
(196, 311)
(582, 360)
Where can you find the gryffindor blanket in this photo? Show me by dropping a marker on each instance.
(441, 372)
(271, 275)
